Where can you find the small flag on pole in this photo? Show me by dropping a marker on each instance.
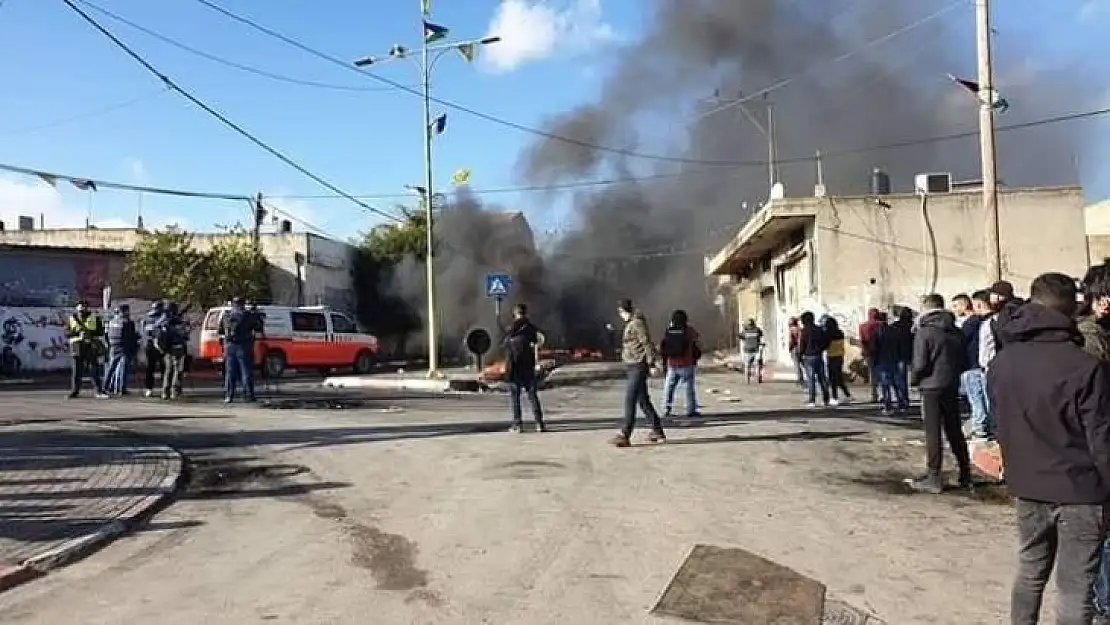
(48, 179)
(84, 185)
(995, 100)
(461, 177)
(468, 51)
(434, 32)
(426, 7)
(439, 124)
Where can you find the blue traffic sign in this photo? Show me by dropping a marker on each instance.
(498, 284)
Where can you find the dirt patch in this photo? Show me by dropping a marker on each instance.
(390, 558)
(893, 483)
(218, 477)
(524, 470)
(716, 585)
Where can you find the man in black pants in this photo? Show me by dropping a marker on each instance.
(938, 361)
(639, 355)
(1053, 405)
(520, 345)
(153, 357)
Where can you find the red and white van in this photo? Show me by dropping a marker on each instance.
(306, 337)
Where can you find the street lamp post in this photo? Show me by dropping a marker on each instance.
(767, 129)
(428, 57)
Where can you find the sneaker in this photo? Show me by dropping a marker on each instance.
(516, 428)
(102, 395)
(834, 402)
(227, 400)
(930, 484)
(657, 437)
(811, 405)
(966, 483)
(148, 393)
(540, 427)
(620, 440)
(886, 412)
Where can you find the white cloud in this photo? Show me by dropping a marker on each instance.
(533, 30)
(28, 197)
(1091, 10)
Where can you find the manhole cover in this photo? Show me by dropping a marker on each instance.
(716, 585)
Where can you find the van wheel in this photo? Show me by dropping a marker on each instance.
(273, 363)
(364, 362)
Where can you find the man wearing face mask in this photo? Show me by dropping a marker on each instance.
(85, 333)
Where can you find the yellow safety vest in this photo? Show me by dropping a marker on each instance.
(91, 325)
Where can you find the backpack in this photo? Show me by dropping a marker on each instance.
(163, 336)
(232, 326)
(676, 343)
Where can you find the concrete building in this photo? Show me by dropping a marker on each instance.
(1097, 218)
(843, 255)
(46, 267)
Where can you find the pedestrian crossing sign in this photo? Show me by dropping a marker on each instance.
(497, 285)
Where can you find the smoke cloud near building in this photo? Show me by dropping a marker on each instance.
(831, 91)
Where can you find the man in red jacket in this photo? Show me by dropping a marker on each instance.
(866, 332)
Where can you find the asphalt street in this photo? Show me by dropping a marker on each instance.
(325, 507)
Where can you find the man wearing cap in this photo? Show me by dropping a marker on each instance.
(85, 333)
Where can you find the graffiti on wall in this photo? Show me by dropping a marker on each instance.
(38, 281)
(33, 339)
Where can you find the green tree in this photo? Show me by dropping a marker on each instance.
(236, 267)
(379, 252)
(165, 265)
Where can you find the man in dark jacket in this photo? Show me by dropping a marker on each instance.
(1053, 405)
(171, 336)
(811, 351)
(681, 351)
(238, 329)
(1004, 303)
(150, 350)
(123, 345)
(867, 331)
(521, 343)
(974, 379)
(903, 337)
(938, 361)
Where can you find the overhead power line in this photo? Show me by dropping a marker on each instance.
(171, 84)
(225, 62)
(104, 110)
(1069, 117)
(479, 114)
(48, 176)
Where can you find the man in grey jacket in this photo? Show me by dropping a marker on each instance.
(638, 353)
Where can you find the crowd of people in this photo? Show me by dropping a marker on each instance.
(107, 353)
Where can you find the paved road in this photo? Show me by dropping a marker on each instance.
(424, 510)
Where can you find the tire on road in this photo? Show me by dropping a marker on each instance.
(364, 362)
(273, 363)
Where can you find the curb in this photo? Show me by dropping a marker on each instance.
(75, 549)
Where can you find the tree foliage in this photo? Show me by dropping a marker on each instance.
(379, 252)
(167, 265)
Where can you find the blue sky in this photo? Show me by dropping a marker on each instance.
(55, 68)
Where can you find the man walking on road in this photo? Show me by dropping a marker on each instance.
(638, 355)
(938, 361)
(1053, 405)
(752, 343)
(681, 352)
(811, 351)
(520, 368)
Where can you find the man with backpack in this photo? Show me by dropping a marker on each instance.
(680, 351)
(521, 343)
(238, 328)
(751, 342)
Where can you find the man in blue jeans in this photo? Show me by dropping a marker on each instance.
(975, 379)
(521, 343)
(811, 351)
(238, 328)
(680, 350)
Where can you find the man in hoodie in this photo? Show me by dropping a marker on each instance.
(1053, 405)
(1093, 320)
(681, 352)
(867, 331)
(974, 379)
(903, 337)
(884, 349)
(639, 356)
(521, 343)
(938, 361)
(811, 351)
(123, 345)
(1004, 303)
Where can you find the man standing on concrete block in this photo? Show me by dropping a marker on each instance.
(938, 361)
(1052, 400)
(639, 356)
(521, 342)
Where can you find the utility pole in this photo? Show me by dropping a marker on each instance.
(429, 192)
(772, 150)
(259, 215)
(986, 141)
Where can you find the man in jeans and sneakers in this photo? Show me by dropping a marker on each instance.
(681, 350)
(1052, 400)
(520, 345)
(975, 379)
(938, 360)
(638, 355)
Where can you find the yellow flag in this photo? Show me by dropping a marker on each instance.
(461, 177)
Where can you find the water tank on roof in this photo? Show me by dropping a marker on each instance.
(286, 226)
(880, 182)
(26, 223)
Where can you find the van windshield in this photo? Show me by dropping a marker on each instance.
(212, 320)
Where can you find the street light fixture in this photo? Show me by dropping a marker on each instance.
(425, 62)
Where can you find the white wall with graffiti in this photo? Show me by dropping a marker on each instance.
(33, 339)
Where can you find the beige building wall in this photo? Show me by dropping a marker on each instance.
(873, 255)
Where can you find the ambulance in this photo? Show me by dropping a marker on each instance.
(305, 337)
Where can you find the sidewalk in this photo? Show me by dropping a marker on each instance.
(66, 490)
